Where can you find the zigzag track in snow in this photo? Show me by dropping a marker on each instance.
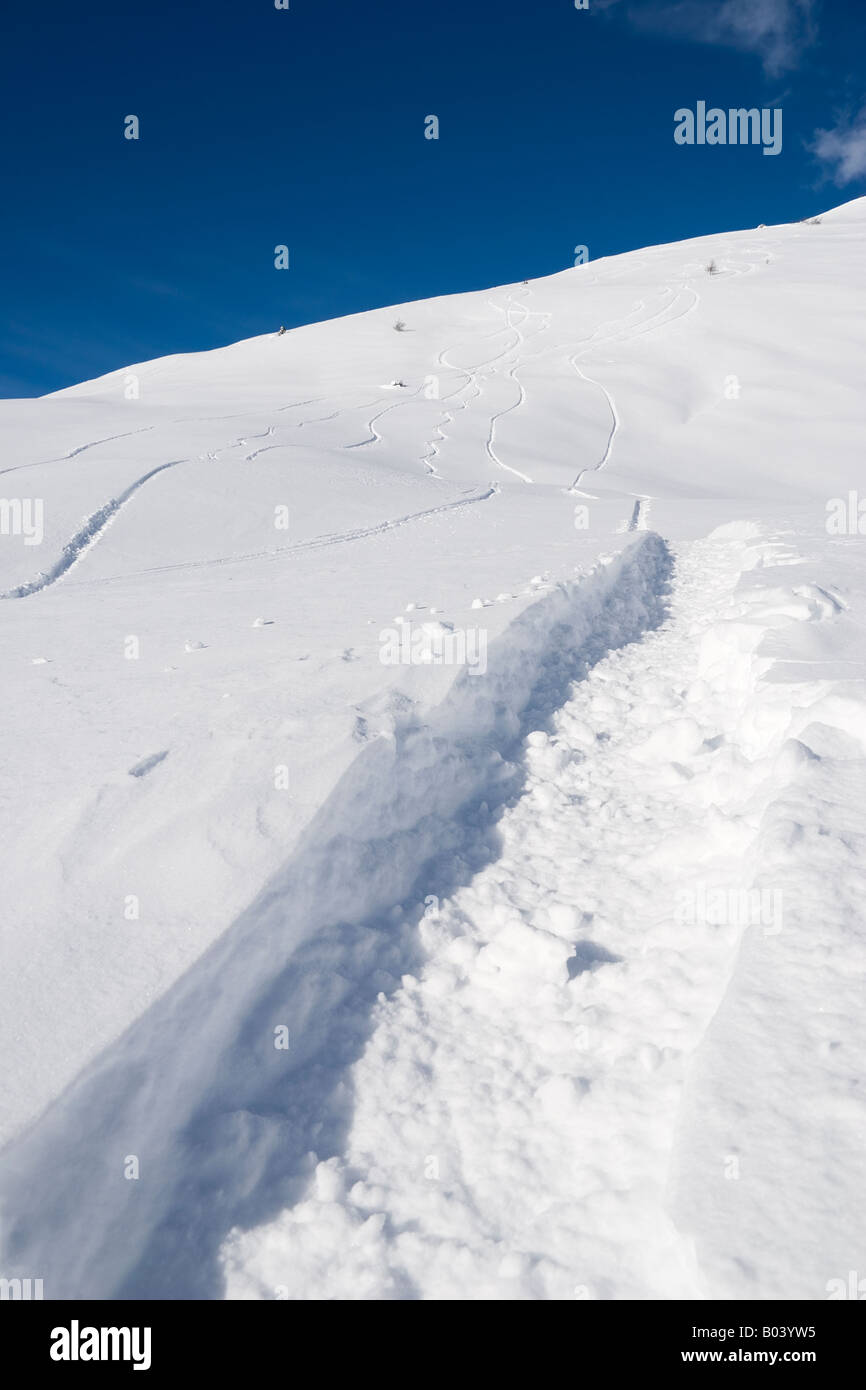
(471, 374)
(474, 373)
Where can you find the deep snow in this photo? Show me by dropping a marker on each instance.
(565, 937)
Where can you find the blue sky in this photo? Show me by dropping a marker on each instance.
(305, 127)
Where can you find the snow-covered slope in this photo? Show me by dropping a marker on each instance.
(523, 968)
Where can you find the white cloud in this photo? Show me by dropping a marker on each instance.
(776, 30)
(843, 150)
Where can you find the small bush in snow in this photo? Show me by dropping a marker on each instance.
(712, 268)
(399, 326)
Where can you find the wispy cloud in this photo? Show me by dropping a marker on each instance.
(778, 31)
(842, 150)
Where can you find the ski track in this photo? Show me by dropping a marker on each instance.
(374, 437)
(242, 442)
(73, 453)
(512, 373)
(266, 449)
(300, 547)
(618, 330)
(471, 374)
(86, 537)
(474, 376)
(638, 519)
(614, 427)
(621, 332)
(95, 525)
(499, 415)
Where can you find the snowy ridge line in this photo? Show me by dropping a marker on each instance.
(317, 543)
(93, 528)
(196, 1086)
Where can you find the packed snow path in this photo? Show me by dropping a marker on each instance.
(515, 1111)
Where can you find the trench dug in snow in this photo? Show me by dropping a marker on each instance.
(514, 1115)
(493, 966)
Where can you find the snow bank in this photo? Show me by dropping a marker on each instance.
(217, 1117)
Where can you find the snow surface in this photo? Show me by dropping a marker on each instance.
(564, 932)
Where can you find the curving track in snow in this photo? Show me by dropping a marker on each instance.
(85, 537)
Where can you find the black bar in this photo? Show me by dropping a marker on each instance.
(598, 1339)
